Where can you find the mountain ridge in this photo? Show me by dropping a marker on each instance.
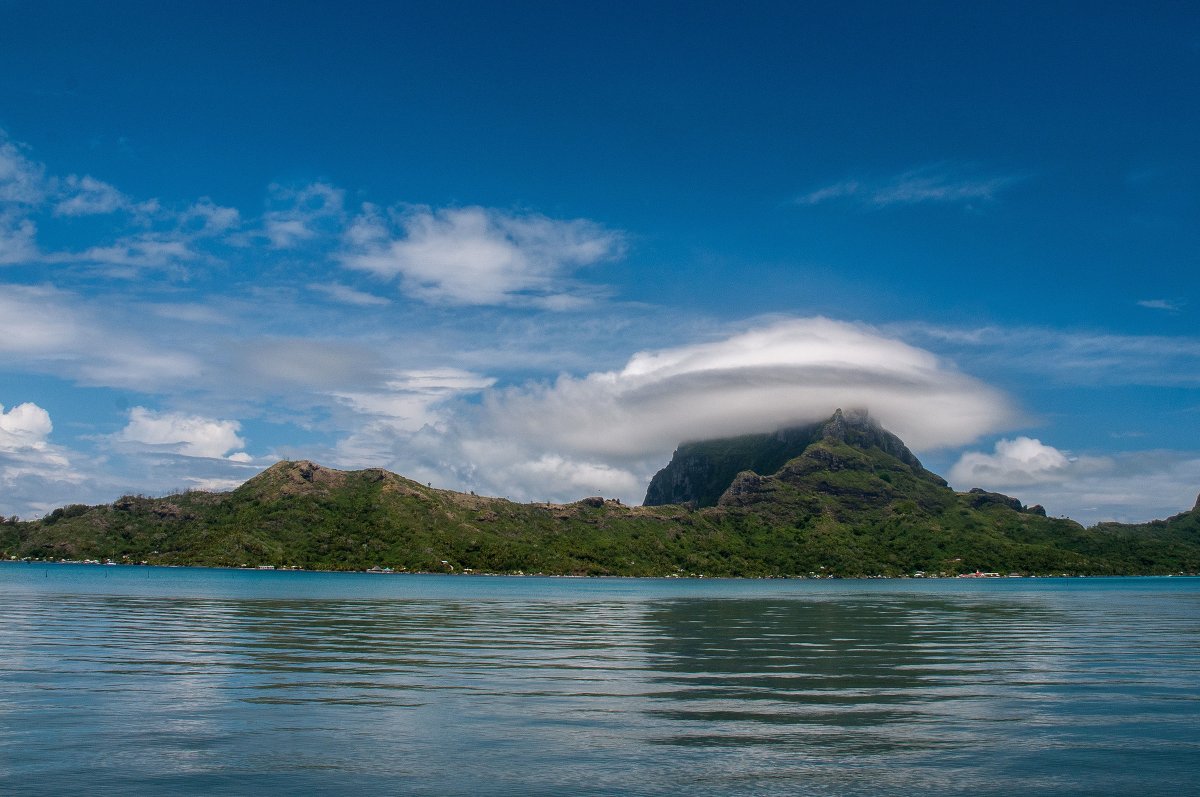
(853, 501)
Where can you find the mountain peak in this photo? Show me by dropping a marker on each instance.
(841, 422)
(291, 477)
(700, 472)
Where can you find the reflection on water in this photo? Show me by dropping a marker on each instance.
(942, 693)
(460, 686)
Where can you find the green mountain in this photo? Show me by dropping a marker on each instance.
(843, 497)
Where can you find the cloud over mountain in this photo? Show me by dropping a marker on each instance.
(611, 430)
(787, 372)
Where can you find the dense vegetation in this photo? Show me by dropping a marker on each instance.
(845, 506)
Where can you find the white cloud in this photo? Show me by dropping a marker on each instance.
(1023, 460)
(24, 426)
(214, 485)
(479, 256)
(347, 295)
(411, 423)
(87, 196)
(177, 433)
(562, 476)
(29, 464)
(1129, 486)
(936, 183)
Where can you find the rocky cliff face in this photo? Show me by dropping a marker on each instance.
(699, 474)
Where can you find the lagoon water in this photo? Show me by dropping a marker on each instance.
(120, 680)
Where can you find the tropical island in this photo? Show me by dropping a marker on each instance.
(839, 498)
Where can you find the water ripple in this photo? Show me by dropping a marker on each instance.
(573, 687)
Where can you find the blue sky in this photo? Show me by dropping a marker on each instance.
(526, 249)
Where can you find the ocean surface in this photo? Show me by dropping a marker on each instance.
(144, 680)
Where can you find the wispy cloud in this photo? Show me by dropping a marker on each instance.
(22, 187)
(205, 218)
(18, 239)
(410, 400)
(22, 180)
(87, 196)
(937, 183)
(846, 188)
(1168, 305)
(1068, 356)
(145, 236)
(347, 295)
(147, 251)
(50, 331)
(302, 214)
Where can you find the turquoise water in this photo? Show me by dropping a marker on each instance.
(118, 680)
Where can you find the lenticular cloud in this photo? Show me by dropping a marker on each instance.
(790, 372)
(608, 432)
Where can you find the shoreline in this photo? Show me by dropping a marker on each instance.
(670, 577)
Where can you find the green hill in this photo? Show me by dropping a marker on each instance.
(843, 497)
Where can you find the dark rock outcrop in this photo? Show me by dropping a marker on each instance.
(700, 473)
(980, 499)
